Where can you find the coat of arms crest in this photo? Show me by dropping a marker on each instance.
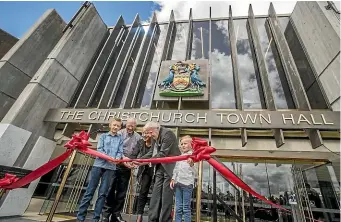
(183, 80)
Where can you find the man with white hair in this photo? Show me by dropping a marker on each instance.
(164, 144)
(115, 200)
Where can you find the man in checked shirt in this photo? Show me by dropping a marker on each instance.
(117, 193)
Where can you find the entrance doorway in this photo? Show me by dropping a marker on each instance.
(308, 189)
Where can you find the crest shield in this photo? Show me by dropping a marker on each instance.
(181, 79)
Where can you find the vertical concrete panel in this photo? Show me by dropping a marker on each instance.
(17, 201)
(12, 140)
(40, 39)
(78, 48)
(57, 80)
(7, 42)
(18, 66)
(318, 35)
(336, 105)
(330, 80)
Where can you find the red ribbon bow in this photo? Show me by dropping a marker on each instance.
(8, 180)
(201, 150)
(79, 141)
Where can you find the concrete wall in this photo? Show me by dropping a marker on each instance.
(6, 42)
(318, 29)
(52, 86)
(18, 66)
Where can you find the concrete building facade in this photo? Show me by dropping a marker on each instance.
(270, 103)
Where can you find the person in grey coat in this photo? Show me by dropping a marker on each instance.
(164, 144)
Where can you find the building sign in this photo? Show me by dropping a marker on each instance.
(202, 118)
(183, 80)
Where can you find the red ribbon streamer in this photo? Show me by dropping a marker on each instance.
(10, 183)
(80, 142)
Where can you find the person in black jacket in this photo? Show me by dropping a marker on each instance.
(144, 174)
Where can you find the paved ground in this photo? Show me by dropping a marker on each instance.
(43, 218)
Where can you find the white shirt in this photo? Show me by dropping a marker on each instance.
(183, 173)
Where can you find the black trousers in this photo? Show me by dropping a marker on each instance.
(161, 203)
(115, 200)
(145, 182)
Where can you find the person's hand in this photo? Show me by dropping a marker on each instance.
(128, 165)
(172, 183)
(139, 163)
(190, 162)
(116, 161)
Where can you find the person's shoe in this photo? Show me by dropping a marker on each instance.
(118, 218)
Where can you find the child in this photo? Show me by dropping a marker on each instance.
(110, 144)
(183, 178)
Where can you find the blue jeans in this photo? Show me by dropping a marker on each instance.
(97, 174)
(183, 197)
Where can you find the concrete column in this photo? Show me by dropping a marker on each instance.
(18, 66)
(318, 31)
(17, 201)
(52, 86)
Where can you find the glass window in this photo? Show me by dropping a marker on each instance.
(315, 96)
(251, 89)
(200, 42)
(145, 93)
(179, 42)
(120, 96)
(222, 90)
(278, 82)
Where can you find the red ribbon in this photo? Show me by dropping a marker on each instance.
(80, 142)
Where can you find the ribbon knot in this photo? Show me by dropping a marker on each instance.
(202, 151)
(8, 180)
(79, 141)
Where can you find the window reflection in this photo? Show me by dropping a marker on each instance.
(251, 89)
(152, 68)
(179, 42)
(278, 81)
(200, 42)
(223, 94)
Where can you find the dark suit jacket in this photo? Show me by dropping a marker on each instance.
(166, 145)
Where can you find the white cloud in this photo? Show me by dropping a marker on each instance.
(200, 9)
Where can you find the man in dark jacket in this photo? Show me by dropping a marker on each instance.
(164, 144)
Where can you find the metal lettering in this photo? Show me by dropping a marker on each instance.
(288, 118)
(313, 120)
(70, 114)
(302, 118)
(324, 120)
(125, 116)
(261, 116)
(248, 116)
(100, 115)
(157, 116)
(177, 116)
(232, 114)
(133, 114)
(140, 117)
(92, 112)
(201, 117)
(110, 115)
(221, 117)
(63, 113)
(189, 121)
(79, 115)
(167, 120)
